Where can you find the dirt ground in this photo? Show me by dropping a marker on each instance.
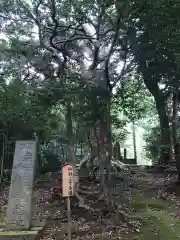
(144, 207)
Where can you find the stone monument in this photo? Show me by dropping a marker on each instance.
(22, 181)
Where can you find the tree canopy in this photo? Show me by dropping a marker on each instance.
(75, 73)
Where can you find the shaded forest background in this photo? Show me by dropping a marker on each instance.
(74, 74)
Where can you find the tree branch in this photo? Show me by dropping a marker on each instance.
(97, 43)
(109, 86)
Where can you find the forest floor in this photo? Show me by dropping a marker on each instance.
(144, 208)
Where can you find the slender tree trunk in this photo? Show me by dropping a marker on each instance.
(76, 143)
(175, 133)
(117, 151)
(175, 118)
(109, 144)
(177, 157)
(2, 161)
(134, 142)
(89, 140)
(125, 155)
(69, 129)
(62, 150)
(93, 144)
(81, 147)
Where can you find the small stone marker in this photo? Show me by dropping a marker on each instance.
(22, 180)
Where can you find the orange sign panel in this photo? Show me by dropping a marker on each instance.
(67, 180)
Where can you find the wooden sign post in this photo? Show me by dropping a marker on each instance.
(68, 191)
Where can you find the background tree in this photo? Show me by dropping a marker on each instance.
(155, 53)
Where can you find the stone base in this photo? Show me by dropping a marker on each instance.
(25, 237)
(13, 235)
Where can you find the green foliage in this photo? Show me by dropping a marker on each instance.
(49, 161)
(132, 103)
(33, 91)
(136, 102)
(157, 35)
(16, 106)
(119, 124)
(152, 139)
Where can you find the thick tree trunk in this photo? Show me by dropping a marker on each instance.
(166, 151)
(103, 153)
(152, 86)
(94, 150)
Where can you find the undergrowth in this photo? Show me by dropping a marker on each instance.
(158, 222)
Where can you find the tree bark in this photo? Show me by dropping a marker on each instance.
(2, 162)
(151, 81)
(177, 157)
(109, 144)
(62, 150)
(81, 147)
(69, 129)
(102, 154)
(166, 151)
(152, 86)
(125, 155)
(117, 151)
(134, 142)
(175, 133)
(175, 118)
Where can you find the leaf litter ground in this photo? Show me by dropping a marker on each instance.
(145, 209)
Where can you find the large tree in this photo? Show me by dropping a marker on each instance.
(51, 43)
(154, 38)
(73, 53)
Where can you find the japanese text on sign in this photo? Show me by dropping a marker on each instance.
(67, 181)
